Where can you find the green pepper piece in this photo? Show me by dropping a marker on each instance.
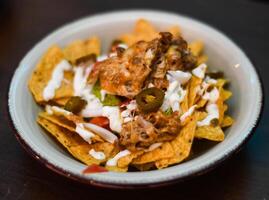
(150, 99)
(110, 100)
(75, 104)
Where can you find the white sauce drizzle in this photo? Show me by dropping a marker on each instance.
(114, 116)
(98, 155)
(80, 79)
(174, 95)
(127, 114)
(84, 133)
(56, 79)
(114, 161)
(211, 107)
(213, 113)
(187, 113)
(200, 71)
(103, 94)
(180, 76)
(102, 132)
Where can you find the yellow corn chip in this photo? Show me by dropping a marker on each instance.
(194, 82)
(164, 151)
(226, 94)
(81, 48)
(227, 121)
(181, 145)
(175, 30)
(72, 142)
(61, 101)
(202, 59)
(59, 120)
(221, 82)
(42, 75)
(184, 104)
(225, 107)
(126, 160)
(196, 47)
(210, 133)
(145, 167)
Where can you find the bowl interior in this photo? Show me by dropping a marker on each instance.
(223, 55)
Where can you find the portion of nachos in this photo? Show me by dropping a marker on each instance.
(142, 105)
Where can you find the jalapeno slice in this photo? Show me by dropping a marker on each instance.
(150, 99)
(75, 104)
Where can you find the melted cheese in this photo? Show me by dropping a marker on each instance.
(56, 80)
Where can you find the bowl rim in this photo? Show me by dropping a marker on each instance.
(98, 183)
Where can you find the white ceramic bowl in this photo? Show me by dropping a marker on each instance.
(245, 105)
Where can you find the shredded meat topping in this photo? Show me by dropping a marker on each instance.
(148, 129)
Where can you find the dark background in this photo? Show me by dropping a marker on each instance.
(24, 22)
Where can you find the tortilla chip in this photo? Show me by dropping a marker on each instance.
(196, 47)
(126, 160)
(175, 30)
(164, 151)
(201, 103)
(72, 142)
(181, 145)
(116, 169)
(225, 107)
(226, 94)
(42, 75)
(210, 133)
(60, 102)
(202, 59)
(107, 148)
(227, 121)
(81, 48)
(220, 103)
(145, 167)
(194, 82)
(184, 104)
(221, 82)
(144, 30)
(59, 120)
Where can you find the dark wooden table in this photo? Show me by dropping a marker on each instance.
(25, 22)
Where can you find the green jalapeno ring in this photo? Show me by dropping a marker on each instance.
(150, 99)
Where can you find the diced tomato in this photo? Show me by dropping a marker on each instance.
(100, 121)
(94, 169)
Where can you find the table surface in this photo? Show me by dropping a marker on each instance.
(25, 22)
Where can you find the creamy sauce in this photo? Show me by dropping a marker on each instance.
(84, 133)
(103, 95)
(114, 161)
(200, 71)
(174, 95)
(48, 109)
(94, 107)
(187, 113)
(210, 80)
(127, 114)
(180, 76)
(211, 107)
(98, 155)
(80, 79)
(114, 116)
(102, 132)
(213, 113)
(212, 96)
(56, 79)
(101, 58)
